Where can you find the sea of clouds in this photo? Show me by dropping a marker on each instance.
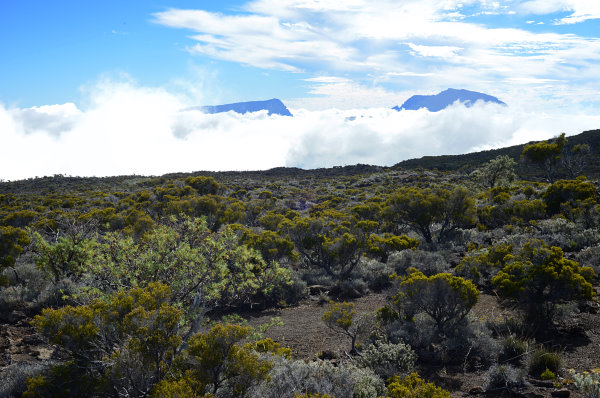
(124, 128)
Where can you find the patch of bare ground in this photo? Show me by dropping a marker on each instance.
(305, 333)
(303, 330)
(20, 343)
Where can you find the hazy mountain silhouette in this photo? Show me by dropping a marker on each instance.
(435, 103)
(273, 106)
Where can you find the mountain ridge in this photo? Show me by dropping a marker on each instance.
(274, 106)
(443, 99)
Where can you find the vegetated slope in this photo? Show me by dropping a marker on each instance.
(441, 232)
(475, 159)
(130, 183)
(437, 102)
(466, 162)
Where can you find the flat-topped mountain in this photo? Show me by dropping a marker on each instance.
(435, 103)
(273, 106)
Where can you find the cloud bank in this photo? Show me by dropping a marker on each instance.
(128, 129)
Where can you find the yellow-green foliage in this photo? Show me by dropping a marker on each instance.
(342, 318)
(192, 260)
(412, 386)
(445, 298)
(548, 375)
(185, 387)
(382, 246)
(569, 192)
(539, 277)
(333, 241)
(12, 241)
(270, 244)
(269, 346)
(204, 185)
(218, 210)
(481, 266)
(131, 331)
(545, 155)
(497, 208)
(70, 256)
(214, 360)
(339, 315)
(421, 208)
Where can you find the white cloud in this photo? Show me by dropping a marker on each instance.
(581, 10)
(385, 137)
(340, 93)
(50, 119)
(126, 129)
(435, 51)
(371, 41)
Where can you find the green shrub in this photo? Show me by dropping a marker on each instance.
(412, 386)
(387, 359)
(288, 377)
(542, 360)
(539, 277)
(342, 318)
(429, 263)
(568, 191)
(504, 377)
(445, 298)
(587, 382)
(548, 375)
(513, 350)
(133, 332)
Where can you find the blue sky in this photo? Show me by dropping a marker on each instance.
(64, 62)
(52, 49)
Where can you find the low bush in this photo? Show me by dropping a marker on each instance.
(290, 377)
(429, 263)
(542, 359)
(504, 377)
(14, 376)
(548, 375)
(387, 359)
(412, 386)
(588, 383)
(470, 344)
(513, 350)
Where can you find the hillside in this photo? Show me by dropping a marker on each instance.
(323, 281)
(473, 160)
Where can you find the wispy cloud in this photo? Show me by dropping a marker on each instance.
(581, 10)
(370, 42)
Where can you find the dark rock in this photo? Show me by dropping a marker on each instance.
(32, 339)
(318, 289)
(327, 355)
(541, 383)
(532, 395)
(476, 390)
(17, 316)
(562, 393)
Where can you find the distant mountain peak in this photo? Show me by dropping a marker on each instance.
(273, 106)
(442, 100)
